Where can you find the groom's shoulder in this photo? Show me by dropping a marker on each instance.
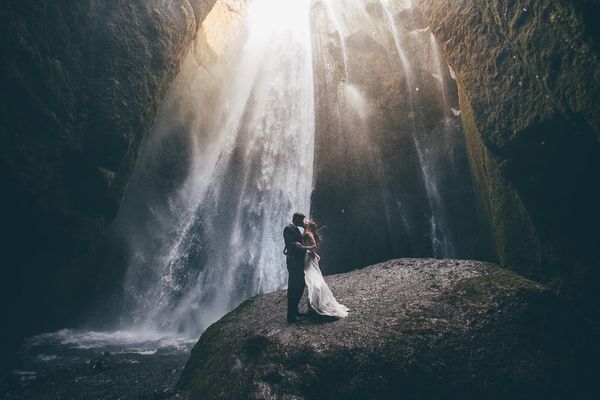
(290, 228)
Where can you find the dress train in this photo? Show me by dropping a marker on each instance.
(319, 295)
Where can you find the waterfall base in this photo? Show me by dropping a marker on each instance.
(82, 365)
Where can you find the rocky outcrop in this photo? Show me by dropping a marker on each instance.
(529, 80)
(81, 84)
(417, 329)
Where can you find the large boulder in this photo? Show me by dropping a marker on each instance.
(417, 329)
(529, 80)
(81, 83)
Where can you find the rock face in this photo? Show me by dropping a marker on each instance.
(529, 82)
(391, 171)
(417, 329)
(81, 84)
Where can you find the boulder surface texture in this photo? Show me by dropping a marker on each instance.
(417, 329)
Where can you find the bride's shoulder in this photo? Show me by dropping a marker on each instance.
(308, 237)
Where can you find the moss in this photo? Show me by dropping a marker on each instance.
(529, 79)
(515, 238)
(480, 292)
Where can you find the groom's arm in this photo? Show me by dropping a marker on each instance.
(288, 236)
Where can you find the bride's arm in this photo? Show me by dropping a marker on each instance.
(309, 243)
(299, 245)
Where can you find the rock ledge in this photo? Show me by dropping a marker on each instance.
(418, 328)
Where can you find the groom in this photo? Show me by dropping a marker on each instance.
(294, 252)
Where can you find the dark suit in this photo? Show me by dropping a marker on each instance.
(295, 266)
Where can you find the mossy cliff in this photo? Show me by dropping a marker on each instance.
(529, 82)
(81, 83)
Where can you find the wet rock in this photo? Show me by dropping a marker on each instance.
(528, 74)
(411, 19)
(375, 10)
(99, 364)
(417, 329)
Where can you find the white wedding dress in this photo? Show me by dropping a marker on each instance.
(319, 296)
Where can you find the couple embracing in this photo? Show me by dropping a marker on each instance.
(303, 270)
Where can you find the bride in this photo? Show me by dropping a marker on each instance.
(320, 297)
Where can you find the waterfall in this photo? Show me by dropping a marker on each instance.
(441, 244)
(412, 50)
(233, 152)
(335, 20)
(218, 236)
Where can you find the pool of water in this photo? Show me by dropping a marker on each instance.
(70, 364)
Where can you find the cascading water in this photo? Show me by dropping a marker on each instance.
(219, 239)
(413, 208)
(441, 244)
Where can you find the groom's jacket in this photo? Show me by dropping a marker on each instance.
(291, 234)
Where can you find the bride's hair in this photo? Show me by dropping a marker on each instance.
(311, 227)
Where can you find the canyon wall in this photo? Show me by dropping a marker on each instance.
(529, 83)
(81, 84)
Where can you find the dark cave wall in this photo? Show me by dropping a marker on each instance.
(529, 82)
(81, 83)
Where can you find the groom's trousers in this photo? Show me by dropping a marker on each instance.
(295, 267)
